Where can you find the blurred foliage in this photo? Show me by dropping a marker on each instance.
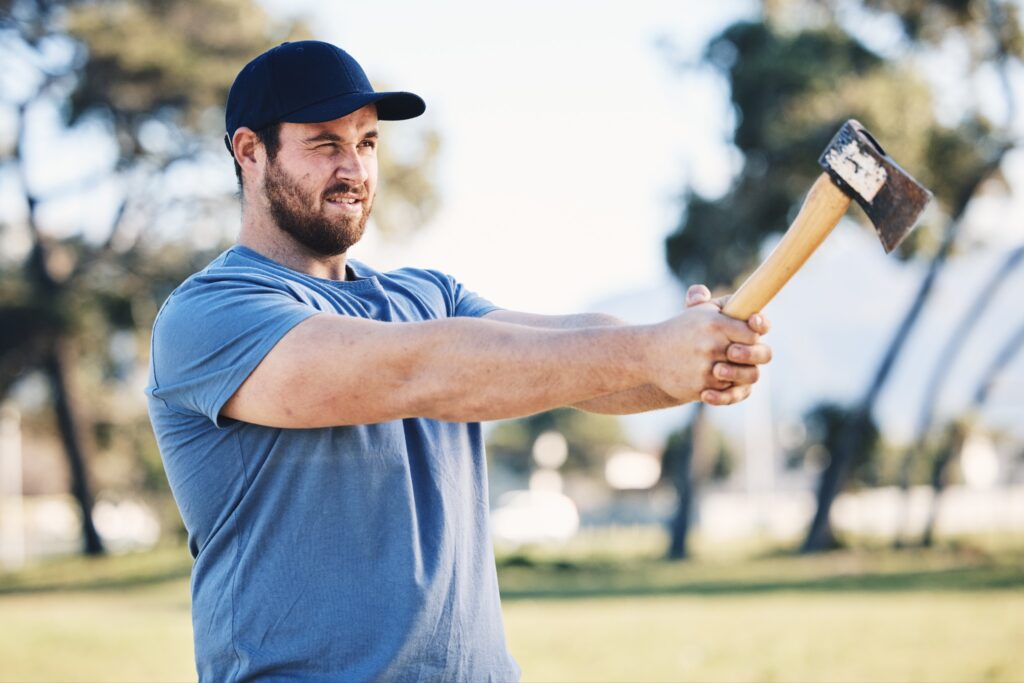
(146, 57)
(790, 93)
(149, 78)
(829, 423)
(930, 22)
(590, 438)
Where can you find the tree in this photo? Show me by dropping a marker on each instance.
(692, 454)
(995, 34)
(957, 434)
(147, 80)
(947, 358)
(792, 86)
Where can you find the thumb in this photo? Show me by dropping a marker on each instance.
(696, 295)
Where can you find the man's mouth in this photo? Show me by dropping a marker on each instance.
(345, 201)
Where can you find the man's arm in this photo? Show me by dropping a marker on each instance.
(632, 400)
(334, 370)
(650, 397)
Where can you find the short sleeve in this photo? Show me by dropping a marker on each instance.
(468, 304)
(212, 333)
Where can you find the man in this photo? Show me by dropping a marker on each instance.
(319, 420)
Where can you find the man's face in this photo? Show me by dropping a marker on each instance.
(320, 186)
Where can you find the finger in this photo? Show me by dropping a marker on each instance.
(721, 301)
(738, 330)
(726, 397)
(758, 323)
(697, 294)
(735, 374)
(716, 384)
(749, 354)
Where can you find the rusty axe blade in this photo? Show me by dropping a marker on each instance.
(890, 196)
(856, 168)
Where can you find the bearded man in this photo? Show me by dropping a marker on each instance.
(319, 421)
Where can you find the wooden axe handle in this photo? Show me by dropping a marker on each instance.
(824, 206)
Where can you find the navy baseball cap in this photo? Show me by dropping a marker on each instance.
(306, 82)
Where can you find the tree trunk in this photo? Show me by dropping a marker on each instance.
(947, 357)
(853, 442)
(685, 477)
(679, 528)
(56, 362)
(55, 365)
(820, 536)
(1003, 358)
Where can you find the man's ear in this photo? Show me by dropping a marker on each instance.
(244, 145)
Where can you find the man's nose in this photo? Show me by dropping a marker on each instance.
(351, 167)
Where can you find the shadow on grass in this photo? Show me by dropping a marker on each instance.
(525, 577)
(95, 584)
(560, 582)
(109, 572)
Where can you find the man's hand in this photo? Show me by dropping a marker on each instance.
(736, 374)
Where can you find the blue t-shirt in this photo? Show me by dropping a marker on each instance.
(345, 553)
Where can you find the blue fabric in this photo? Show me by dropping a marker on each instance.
(340, 554)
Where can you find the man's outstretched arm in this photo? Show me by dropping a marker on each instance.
(741, 371)
(336, 370)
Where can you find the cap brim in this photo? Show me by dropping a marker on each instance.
(391, 106)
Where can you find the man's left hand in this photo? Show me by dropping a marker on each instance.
(740, 372)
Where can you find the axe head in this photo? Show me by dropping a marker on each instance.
(891, 198)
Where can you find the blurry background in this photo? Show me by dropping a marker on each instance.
(860, 517)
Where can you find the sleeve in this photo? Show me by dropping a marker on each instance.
(468, 304)
(210, 336)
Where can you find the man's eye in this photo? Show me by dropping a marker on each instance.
(369, 144)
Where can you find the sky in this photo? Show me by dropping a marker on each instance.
(567, 135)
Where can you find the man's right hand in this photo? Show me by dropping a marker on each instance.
(707, 356)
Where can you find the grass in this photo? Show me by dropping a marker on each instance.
(771, 637)
(594, 612)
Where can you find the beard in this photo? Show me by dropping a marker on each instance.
(302, 215)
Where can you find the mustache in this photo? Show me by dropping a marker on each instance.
(345, 188)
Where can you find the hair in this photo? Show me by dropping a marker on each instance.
(270, 138)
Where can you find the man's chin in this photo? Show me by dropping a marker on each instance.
(345, 239)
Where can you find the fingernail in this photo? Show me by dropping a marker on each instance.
(755, 320)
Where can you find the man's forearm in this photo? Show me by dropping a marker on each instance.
(633, 400)
(507, 371)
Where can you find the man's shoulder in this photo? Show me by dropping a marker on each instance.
(232, 278)
(234, 265)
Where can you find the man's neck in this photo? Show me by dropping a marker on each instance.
(267, 239)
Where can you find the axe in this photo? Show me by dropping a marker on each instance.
(856, 167)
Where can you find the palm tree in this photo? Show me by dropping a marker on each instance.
(947, 358)
(989, 378)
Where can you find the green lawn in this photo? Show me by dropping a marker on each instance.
(852, 616)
